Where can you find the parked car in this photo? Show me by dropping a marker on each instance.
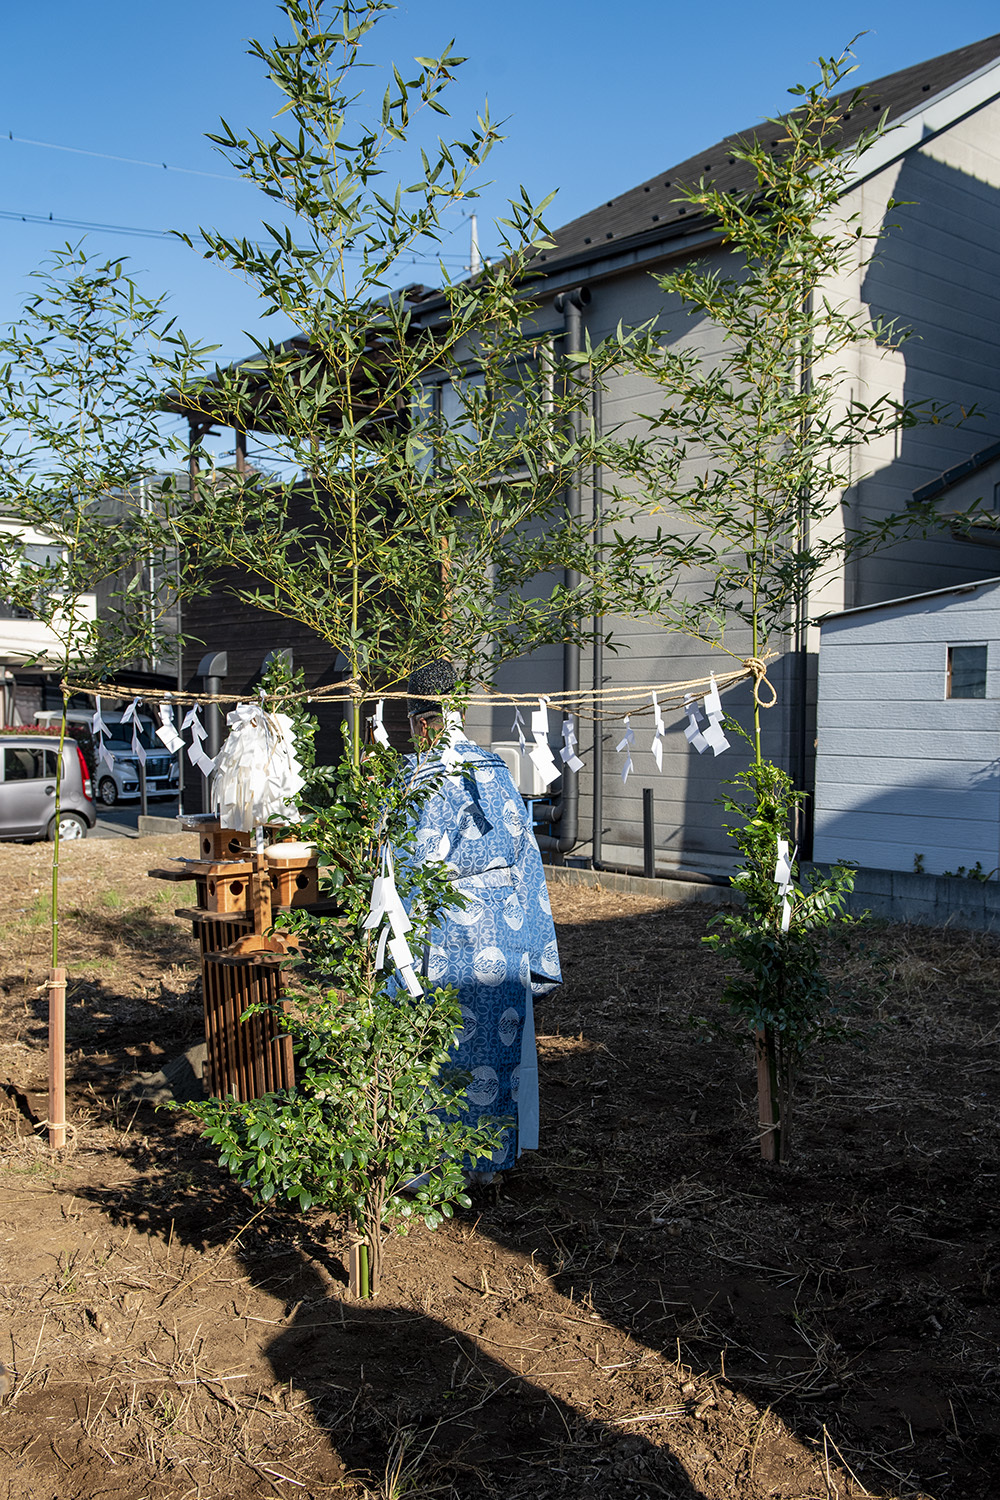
(28, 764)
(120, 781)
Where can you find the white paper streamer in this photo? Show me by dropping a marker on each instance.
(625, 744)
(132, 714)
(693, 733)
(568, 754)
(379, 734)
(100, 729)
(167, 733)
(714, 735)
(257, 775)
(783, 880)
(540, 755)
(518, 728)
(659, 729)
(196, 754)
(386, 907)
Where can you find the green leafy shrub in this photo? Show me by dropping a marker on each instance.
(374, 1127)
(779, 986)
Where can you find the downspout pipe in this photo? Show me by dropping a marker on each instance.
(565, 815)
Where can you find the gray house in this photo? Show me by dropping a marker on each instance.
(938, 273)
(908, 720)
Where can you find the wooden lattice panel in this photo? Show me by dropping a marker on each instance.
(246, 1058)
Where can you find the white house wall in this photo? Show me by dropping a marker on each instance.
(937, 273)
(904, 774)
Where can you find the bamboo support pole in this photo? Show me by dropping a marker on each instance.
(57, 1058)
(767, 1114)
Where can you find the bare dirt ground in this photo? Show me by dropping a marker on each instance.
(642, 1309)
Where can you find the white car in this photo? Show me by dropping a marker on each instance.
(120, 781)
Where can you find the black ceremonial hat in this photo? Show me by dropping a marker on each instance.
(426, 686)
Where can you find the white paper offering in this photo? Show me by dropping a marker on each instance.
(713, 736)
(518, 728)
(167, 733)
(540, 719)
(196, 754)
(693, 733)
(100, 729)
(625, 746)
(543, 760)
(386, 907)
(540, 755)
(783, 880)
(132, 714)
(379, 734)
(568, 754)
(659, 729)
(257, 774)
(713, 703)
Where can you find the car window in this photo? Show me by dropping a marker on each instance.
(28, 763)
(120, 739)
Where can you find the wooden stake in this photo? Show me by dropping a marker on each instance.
(57, 1058)
(766, 1103)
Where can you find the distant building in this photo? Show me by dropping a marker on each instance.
(30, 652)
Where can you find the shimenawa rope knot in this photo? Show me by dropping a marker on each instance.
(758, 671)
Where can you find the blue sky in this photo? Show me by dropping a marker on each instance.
(596, 98)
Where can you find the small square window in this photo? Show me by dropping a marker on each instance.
(966, 672)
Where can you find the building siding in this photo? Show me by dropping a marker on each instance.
(904, 774)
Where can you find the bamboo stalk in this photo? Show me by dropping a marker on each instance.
(767, 1114)
(57, 1058)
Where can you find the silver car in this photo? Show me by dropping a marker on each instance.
(28, 788)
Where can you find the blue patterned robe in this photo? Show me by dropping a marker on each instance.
(500, 950)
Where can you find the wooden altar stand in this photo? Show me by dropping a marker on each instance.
(237, 893)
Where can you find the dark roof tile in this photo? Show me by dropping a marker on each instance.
(628, 217)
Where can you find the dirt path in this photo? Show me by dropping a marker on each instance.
(642, 1309)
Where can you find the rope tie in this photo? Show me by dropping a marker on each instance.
(758, 671)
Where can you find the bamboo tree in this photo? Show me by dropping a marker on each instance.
(80, 390)
(431, 438)
(748, 460)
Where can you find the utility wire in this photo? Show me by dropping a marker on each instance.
(87, 225)
(132, 161)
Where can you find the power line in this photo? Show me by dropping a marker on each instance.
(132, 161)
(92, 226)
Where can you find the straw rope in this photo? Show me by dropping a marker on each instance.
(628, 698)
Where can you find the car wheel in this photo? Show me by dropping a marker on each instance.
(107, 792)
(71, 826)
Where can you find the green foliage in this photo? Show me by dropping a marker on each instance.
(377, 1102)
(749, 455)
(430, 437)
(753, 448)
(81, 430)
(81, 380)
(780, 984)
(283, 687)
(976, 873)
